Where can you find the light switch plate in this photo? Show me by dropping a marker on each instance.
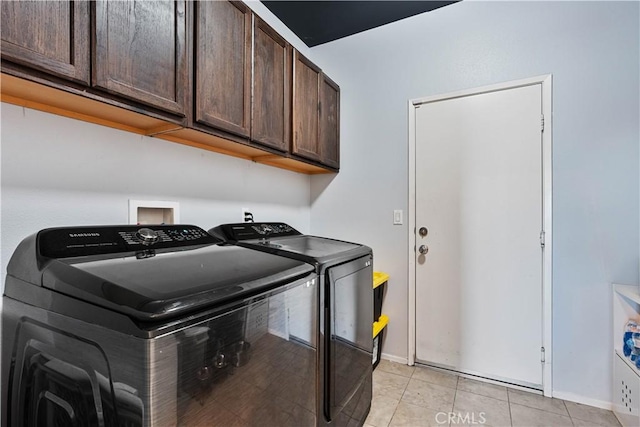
(397, 217)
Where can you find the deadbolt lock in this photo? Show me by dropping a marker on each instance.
(423, 231)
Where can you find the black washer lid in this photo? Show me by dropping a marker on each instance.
(148, 284)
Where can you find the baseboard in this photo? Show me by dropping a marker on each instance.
(572, 397)
(393, 358)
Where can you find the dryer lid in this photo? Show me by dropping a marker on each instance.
(282, 239)
(311, 246)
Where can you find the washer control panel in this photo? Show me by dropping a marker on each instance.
(271, 229)
(147, 236)
(86, 241)
(252, 231)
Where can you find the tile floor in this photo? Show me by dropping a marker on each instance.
(417, 396)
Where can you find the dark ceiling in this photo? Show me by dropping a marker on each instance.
(317, 22)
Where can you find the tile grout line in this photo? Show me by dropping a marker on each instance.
(453, 405)
(394, 412)
(455, 395)
(509, 405)
(537, 408)
(564, 402)
(401, 397)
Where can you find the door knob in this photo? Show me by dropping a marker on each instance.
(423, 231)
(423, 249)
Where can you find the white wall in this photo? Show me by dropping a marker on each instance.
(592, 50)
(58, 171)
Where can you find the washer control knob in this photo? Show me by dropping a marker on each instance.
(147, 236)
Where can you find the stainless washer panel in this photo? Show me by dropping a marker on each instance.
(173, 379)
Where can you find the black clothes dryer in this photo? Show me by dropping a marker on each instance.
(344, 315)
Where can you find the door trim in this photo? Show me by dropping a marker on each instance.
(547, 278)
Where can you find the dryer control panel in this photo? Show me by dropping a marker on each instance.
(253, 231)
(96, 240)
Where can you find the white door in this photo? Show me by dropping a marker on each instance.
(479, 195)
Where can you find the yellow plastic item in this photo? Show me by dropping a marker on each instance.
(379, 278)
(380, 324)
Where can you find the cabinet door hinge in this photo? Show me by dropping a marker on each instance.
(542, 354)
(541, 122)
(542, 239)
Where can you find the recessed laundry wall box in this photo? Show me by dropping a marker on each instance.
(153, 212)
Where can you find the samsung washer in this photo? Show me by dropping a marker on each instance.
(156, 326)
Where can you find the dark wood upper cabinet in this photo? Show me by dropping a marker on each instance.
(329, 122)
(223, 66)
(140, 51)
(271, 104)
(51, 36)
(205, 73)
(306, 102)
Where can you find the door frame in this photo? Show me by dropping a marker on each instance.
(547, 278)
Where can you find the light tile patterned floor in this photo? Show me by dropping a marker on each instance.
(418, 396)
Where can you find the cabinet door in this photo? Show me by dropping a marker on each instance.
(52, 36)
(330, 122)
(223, 65)
(140, 51)
(306, 81)
(271, 105)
